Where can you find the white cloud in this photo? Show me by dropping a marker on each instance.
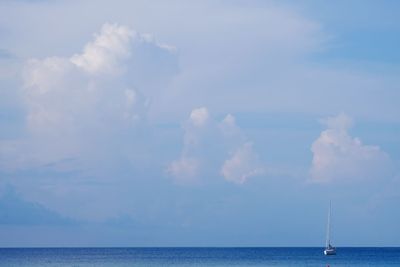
(232, 134)
(187, 168)
(107, 53)
(228, 125)
(40, 76)
(199, 116)
(243, 164)
(184, 170)
(209, 142)
(87, 115)
(195, 127)
(60, 92)
(337, 156)
(73, 104)
(341, 122)
(107, 50)
(243, 161)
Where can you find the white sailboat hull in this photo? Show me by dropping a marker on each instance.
(330, 251)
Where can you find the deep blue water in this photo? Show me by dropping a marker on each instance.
(198, 257)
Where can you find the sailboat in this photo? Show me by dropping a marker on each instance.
(329, 249)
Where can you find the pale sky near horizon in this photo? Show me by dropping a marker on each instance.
(199, 123)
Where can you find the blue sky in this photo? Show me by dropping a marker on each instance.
(203, 123)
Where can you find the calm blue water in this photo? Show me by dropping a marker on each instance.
(198, 257)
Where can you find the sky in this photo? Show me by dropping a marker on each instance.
(199, 123)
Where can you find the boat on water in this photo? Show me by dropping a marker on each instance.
(329, 249)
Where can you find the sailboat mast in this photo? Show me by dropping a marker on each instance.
(328, 232)
(329, 250)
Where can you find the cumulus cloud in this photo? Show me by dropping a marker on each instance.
(195, 127)
(243, 164)
(337, 156)
(243, 161)
(199, 117)
(74, 103)
(107, 50)
(184, 169)
(187, 167)
(212, 143)
(85, 117)
(59, 91)
(232, 134)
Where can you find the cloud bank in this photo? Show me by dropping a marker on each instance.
(86, 118)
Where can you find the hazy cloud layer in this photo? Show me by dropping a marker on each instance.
(16, 211)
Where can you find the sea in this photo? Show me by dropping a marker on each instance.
(296, 257)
